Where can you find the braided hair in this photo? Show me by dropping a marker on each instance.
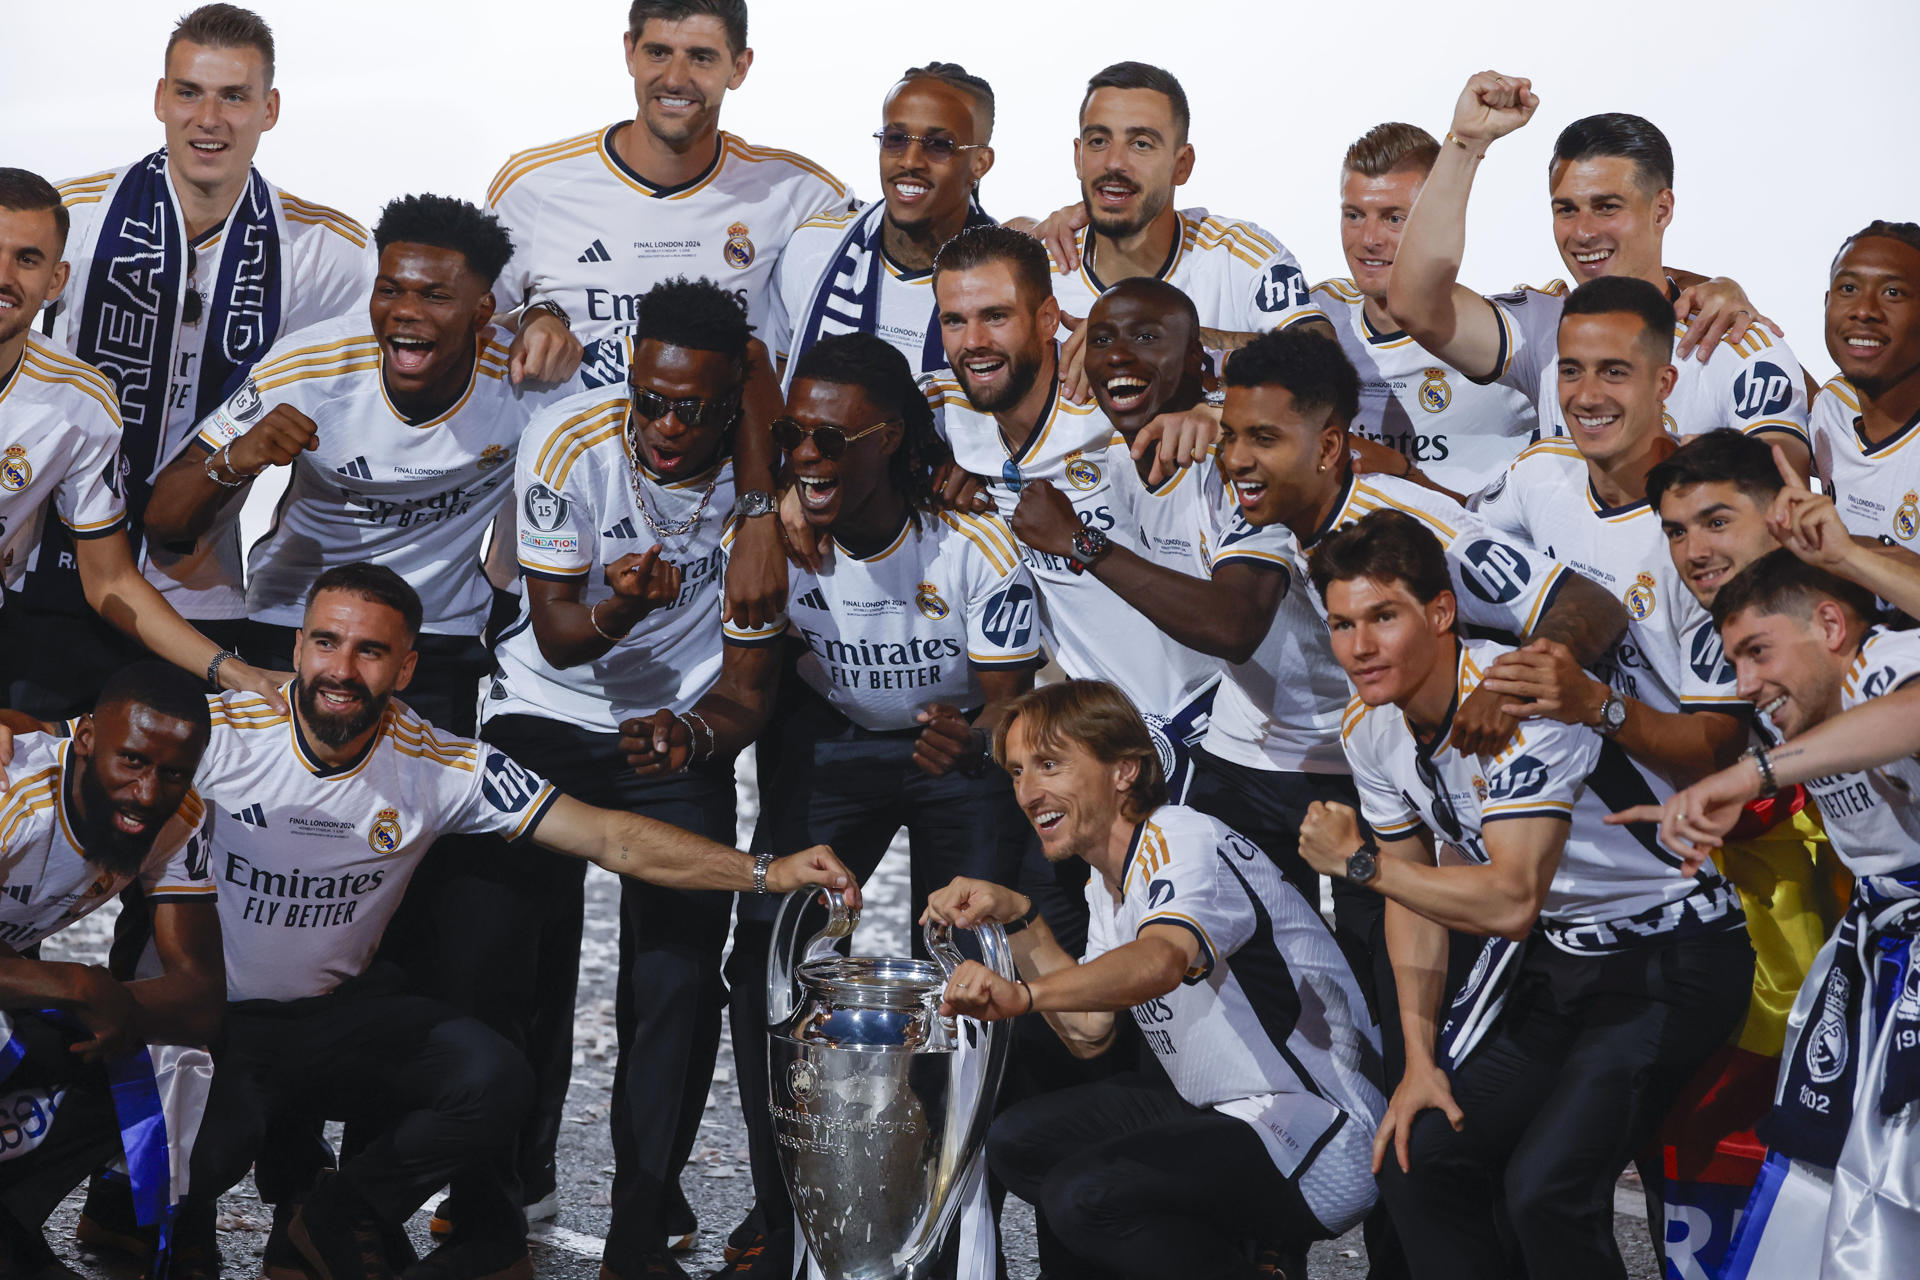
(882, 373)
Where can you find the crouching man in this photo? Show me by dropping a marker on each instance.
(1263, 1134)
(81, 819)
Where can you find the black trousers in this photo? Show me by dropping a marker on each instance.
(1585, 1058)
(85, 1133)
(54, 663)
(497, 932)
(437, 1095)
(444, 691)
(1137, 1181)
(834, 783)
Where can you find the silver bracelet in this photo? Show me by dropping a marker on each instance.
(761, 863)
(1769, 785)
(692, 717)
(226, 460)
(593, 616)
(213, 668)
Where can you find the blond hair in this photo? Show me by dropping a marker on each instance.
(1097, 717)
(1390, 148)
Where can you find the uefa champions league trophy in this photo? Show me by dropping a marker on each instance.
(880, 1105)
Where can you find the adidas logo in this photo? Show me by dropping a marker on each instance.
(624, 529)
(18, 892)
(356, 470)
(814, 600)
(596, 252)
(253, 815)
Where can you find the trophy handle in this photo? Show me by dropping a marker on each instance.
(784, 960)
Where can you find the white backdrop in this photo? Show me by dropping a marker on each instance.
(1792, 124)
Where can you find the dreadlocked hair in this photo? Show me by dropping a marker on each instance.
(883, 375)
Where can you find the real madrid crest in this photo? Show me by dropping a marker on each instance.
(492, 456)
(1435, 394)
(15, 471)
(1480, 788)
(1082, 473)
(1640, 598)
(1906, 521)
(385, 836)
(928, 598)
(739, 250)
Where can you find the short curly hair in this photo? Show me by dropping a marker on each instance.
(1310, 365)
(882, 373)
(447, 223)
(696, 314)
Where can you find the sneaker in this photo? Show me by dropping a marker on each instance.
(545, 1209)
(338, 1235)
(1281, 1263)
(478, 1259)
(107, 1223)
(741, 1238)
(682, 1227)
(768, 1256)
(441, 1225)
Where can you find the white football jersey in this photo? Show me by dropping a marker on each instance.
(1241, 278)
(910, 625)
(416, 497)
(1092, 632)
(1461, 433)
(905, 321)
(46, 882)
(313, 860)
(1875, 488)
(592, 235)
(1614, 888)
(59, 450)
(1668, 659)
(329, 267)
(1269, 1025)
(1753, 385)
(578, 513)
(1873, 817)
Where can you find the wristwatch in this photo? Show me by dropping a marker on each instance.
(1033, 913)
(1613, 714)
(1363, 864)
(755, 502)
(552, 308)
(1089, 545)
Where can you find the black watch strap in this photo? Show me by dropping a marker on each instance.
(1033, 913)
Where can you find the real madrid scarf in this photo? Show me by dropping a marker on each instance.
(847, 298)
(1864, 988)
(132, 309)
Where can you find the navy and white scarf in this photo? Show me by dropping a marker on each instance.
(847, 299)
(1864, 989)
(132, 308)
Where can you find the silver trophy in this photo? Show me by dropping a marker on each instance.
(875, 1122)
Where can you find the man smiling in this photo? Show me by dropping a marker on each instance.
(400, 428)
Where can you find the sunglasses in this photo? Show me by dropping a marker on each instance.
(828, 440)
(194, 305)
(1010, 475)
(1443, 810)
(896, 141)
(694, 411)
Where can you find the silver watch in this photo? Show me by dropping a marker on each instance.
(1613, 714)
(755, 502)
(761, 863)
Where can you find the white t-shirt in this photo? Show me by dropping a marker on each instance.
(416, 497)
(1091, 631)
(313, 860)
(1670, 657)
(46, 882)
(59, 450)
(1873, 817)
(1240, 277)
(911, 624)
(1752, 385)
(1613, 889)
(1875, 488)
(1269, 1026)
(592, 235)
(1461, 433)
(329, 265)
(906, 297)
(577, 514)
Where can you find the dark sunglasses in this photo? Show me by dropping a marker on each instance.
(1443, 810)
(693, 411)
(194, 305)
(1010, 475)
(830, 441)
(896, 141)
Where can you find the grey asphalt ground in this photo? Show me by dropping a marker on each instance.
(716, 1181)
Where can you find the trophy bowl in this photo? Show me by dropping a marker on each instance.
(880, 1106)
